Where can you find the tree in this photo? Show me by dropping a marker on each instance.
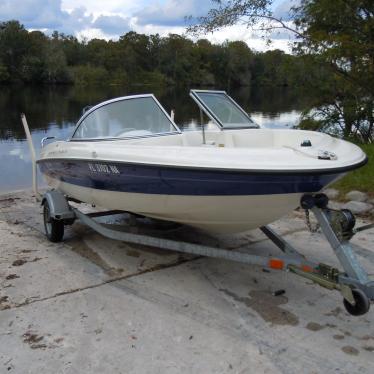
(177, 59)
(340, 35)
(56, 70)
(239, 61)
(33, 63)
(337, 35)
(4, 74)
(33, 57)
(14, 46)
(207, 63)
(230, 12)
(135, 50)
(75, 51)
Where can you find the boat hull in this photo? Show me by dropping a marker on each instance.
(219, 214)
(215, 200)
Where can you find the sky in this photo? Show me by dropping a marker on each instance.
(109, 19)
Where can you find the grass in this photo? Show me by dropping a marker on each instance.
(361, 179)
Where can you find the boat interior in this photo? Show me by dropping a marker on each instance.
(251, 138)
(142, 120)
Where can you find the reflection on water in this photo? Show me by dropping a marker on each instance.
(281, 120)
(53, 111)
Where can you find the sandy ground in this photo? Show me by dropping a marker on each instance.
(93, 305)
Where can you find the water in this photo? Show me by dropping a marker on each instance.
(53, 111)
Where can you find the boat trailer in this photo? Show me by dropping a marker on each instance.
(337, 226)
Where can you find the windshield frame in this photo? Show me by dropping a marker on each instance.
(195, 96)
(123, 98)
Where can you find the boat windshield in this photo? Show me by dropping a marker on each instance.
(222, 109)
(125, 117)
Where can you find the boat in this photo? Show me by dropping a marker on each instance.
(128, 154)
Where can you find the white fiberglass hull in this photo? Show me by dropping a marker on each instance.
(240, 180)
(220, 214)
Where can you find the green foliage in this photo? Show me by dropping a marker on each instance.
(339, 35)
(56, 69)
(229, 12)
(14, 46)
(33, 57)
(153, 78)
(118, 78)
(360, 179)
(336, 49)
(238, 64)
(89, 75)
(310, 124)
(32, 69)
(4, 74)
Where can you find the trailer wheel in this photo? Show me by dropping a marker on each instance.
(362, 303)
(54, 229)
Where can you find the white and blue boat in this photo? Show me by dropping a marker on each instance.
(128, 154)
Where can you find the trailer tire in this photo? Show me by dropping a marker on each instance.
(54, 229)
(362, 303)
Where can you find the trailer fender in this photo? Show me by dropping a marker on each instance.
(59, 206)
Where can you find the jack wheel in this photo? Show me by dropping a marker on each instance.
(54, 229)
(362, 303)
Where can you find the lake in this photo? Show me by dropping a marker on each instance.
(53, 111)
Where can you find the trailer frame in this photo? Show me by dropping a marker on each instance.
(353, 282)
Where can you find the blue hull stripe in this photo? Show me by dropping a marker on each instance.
(149, 179)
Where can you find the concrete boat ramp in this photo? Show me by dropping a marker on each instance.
(93, 305)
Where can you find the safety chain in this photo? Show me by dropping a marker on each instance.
(309, 224)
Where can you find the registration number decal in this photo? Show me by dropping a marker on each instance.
(103, 168)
